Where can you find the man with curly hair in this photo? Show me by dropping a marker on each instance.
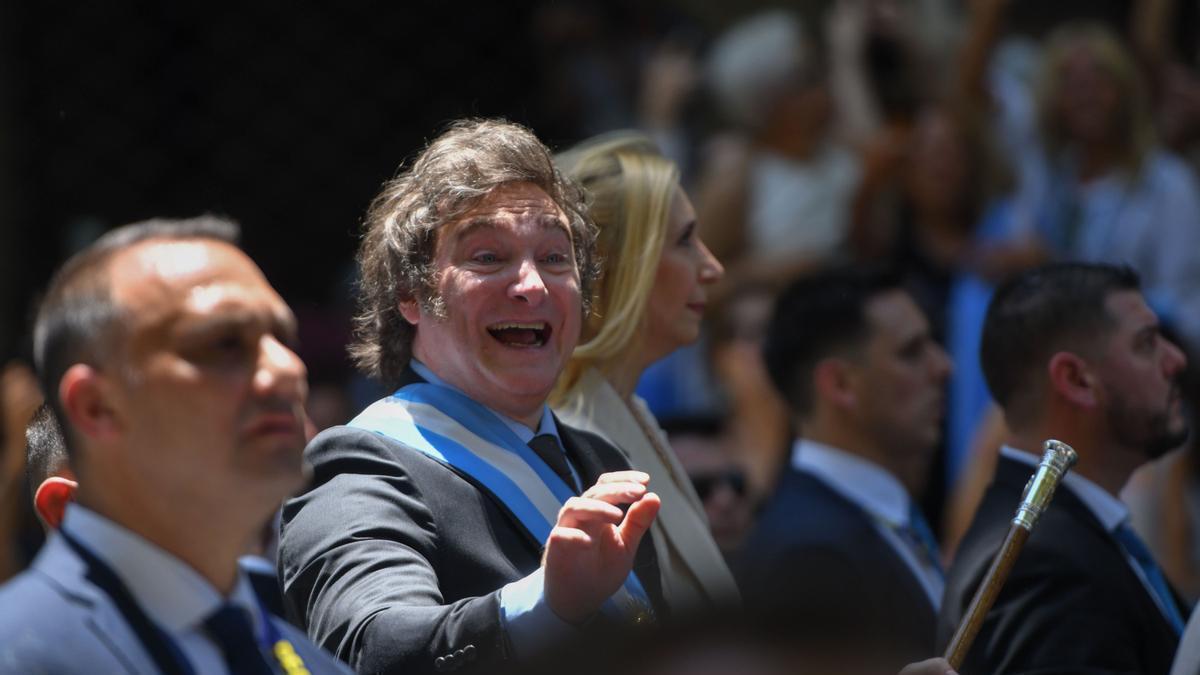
(457, 523)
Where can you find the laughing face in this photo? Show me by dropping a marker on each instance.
(510, 302)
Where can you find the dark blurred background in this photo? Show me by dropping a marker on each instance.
(288, 116)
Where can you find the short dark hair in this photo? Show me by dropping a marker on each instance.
(816, 316)
(448, 177)
(1043, 311)
(45, 447)
(77, 321)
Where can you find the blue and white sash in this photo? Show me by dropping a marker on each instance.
(458, 432)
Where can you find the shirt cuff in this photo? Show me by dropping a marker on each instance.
(528, 620)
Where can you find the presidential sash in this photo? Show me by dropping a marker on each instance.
(454, 430)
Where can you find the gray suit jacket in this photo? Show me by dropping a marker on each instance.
(53, 620)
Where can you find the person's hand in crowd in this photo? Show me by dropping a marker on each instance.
(591, 548)
(938, 666)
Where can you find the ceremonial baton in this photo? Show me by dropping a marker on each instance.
(1058, 458)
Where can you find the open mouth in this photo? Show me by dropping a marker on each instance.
(521, 335)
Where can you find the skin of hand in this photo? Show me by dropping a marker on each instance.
(591, 548)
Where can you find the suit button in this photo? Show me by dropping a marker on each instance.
(469, 651)
(439, 664)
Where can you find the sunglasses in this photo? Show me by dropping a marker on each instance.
(707, 483)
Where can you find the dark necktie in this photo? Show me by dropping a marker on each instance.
(231, 629)
(546, 446)
(922, 536)
(1141, 555)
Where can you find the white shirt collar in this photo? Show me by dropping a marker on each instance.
(171, 593)
(545, 426)
(1109, 510)
(862, 481)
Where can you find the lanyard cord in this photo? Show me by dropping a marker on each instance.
(167, 655)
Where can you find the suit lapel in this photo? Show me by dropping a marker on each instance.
(590, 464)
(584, 456)
(883, 550)
(66, 574)
(1015, 474)
(693, 568)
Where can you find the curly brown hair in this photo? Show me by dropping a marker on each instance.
(396, 256)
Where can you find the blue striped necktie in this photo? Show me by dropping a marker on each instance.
(922, 535)
(1145, 560)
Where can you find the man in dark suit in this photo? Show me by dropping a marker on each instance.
(1072, 352)
(841, 540)
(164, 349)
(457, 523)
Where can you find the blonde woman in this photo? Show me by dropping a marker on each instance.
(655, 279)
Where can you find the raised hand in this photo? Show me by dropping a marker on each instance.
(591, 548)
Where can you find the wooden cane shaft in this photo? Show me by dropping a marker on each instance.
(985, 596)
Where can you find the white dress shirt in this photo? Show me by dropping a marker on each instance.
(876, 491)
(168, 590)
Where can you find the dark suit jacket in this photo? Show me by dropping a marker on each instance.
(54, 621)
(392, 560)
(1072, 603)
(822, 557)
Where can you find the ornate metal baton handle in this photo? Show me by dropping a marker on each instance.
(1057, 459)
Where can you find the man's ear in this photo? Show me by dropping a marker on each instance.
(410, 309)
(84, 394)
(51, 499)
(833, 382)
(1072, 379)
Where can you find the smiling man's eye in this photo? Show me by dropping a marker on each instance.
(486, 258)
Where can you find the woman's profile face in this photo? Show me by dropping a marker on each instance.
(680, 294)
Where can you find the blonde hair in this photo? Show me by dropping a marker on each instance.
(630, 186)
(1134, 134)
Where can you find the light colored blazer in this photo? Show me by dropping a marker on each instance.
(54, 621)
(694, 573)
